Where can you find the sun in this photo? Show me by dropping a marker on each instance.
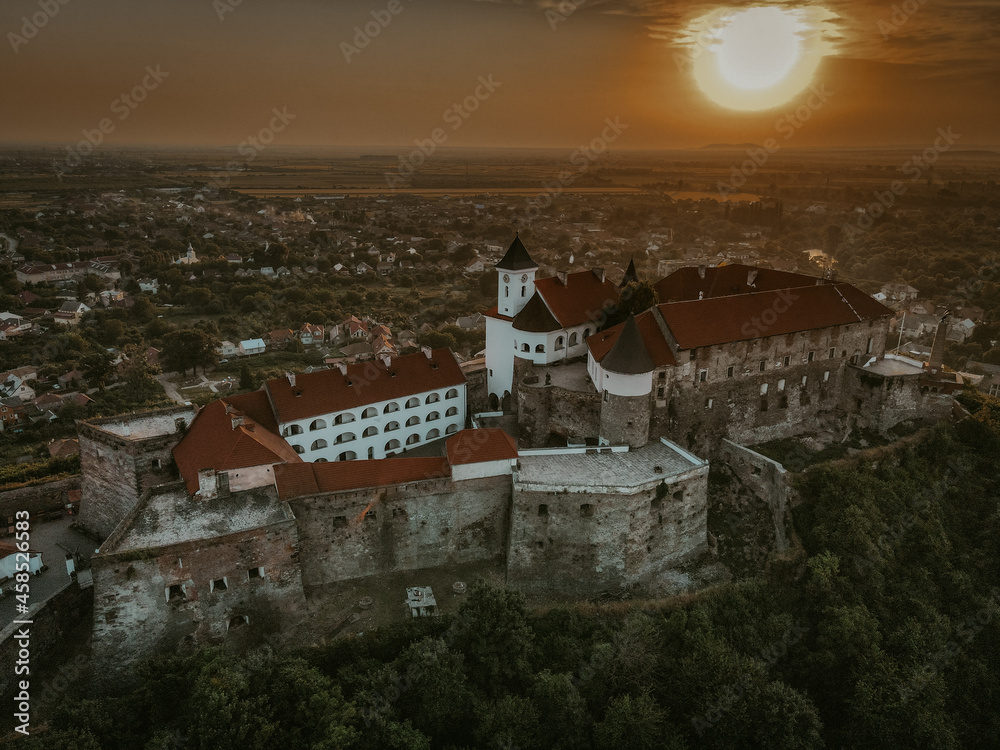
(756, 58)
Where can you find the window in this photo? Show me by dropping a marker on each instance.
(662, 375)
(175, 593)
(346, 437)
(525, 348)
(781, 385)
(586, 333)
(708, 403)
(369, 432)
(391, 445)
(786, 361)
(560, 343)
(370, 412)
(253, 573)
(763, 404)
(452, 428)
(703, 376)
(298, 449)
(833, 352)
(783, 402)
(218, 584)
(540, 349)
(523, 291)
(412, 403)
(729, 371)
(433, 434)
(292, 429)
(317, 424)
(238, 621)
(412, 421)
(506, 291)
(319, 445)
(607, 395)
(763, 389)
(390, 407)
(763, 365)
(432, 398)
(586, 510)
(432, 416)
(694, 354)
(543, 509)
(392, 426)
(871, 342)
(452, 393)
(413, 439)
(826, 376)
(660, 392)
(156, 464)
(805, 379)
(347, 418)
(347, 456)
(809, 357)
(573, 339)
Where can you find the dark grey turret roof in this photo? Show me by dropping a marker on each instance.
(630, 274)
(535, 317)
(516, 258)
(628, 356)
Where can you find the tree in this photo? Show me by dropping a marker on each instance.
(189, 347)
(98, 368)
(631, 724)
(438, 340)
(247, 380)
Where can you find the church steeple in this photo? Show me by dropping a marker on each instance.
(516, 258)
(515, 279)
(630, 274)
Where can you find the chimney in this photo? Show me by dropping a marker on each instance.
(599, 273)
(937, 349)
(291, 378)
(343, 368)
(229, 408)
(427, 351)
(386, 360)
(701, 271)
(701, 295)
(237, 420)
(207, 484)
(561, 275)
(752, 276)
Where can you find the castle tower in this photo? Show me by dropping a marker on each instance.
(627, 384)
(515, 279)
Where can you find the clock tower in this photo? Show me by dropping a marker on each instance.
(515, 279)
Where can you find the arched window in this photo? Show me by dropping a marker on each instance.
(432, 416)
(390, 407)
(344, 418)
(560, 343)
(573, 339)
(523, 290)
(412, 421)
(317, 445)
(454, 410)
(392, 445)
(452, 429)
(347, 456)
(391, 426)
(321, 461)
(370, 412)
(292, 429)
(540, 349)
(298, 449)
(413, 439)
(412, 402)
(433, 398)
(346, 437)
(433, 434)
(452, 393)
(369, 431)
(586, 333)
(506, 291)
(525, 348)
(317, 424)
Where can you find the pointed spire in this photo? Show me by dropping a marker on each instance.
(629, 355)
(630, 274)
(516, 258)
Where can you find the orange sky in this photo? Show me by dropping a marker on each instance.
(557, 85)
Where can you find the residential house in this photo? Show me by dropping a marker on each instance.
(149, 285)
(899, 293)
(228, 349)
(12, 411)
(70, 378)
(252, 346)
(985, 377)
(279, 337)
(311, 334)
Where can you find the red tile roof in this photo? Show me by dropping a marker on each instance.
(583, 298)
(719, 320)
(297, 480)
(686, 284)
(494, 312)
(478, 446)
(211, 441)
(327, 391)
(657, 347)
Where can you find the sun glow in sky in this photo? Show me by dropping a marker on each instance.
(756, 58)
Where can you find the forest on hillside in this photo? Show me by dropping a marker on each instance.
(883, 633)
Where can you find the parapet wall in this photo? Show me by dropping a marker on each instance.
(766, 478)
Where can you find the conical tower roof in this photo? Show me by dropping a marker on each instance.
(630, 274)
(629, 355)
(516, 258)
(535, 317)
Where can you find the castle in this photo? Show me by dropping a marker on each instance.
(242, 513)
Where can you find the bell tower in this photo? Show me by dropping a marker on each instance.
(515, 279)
